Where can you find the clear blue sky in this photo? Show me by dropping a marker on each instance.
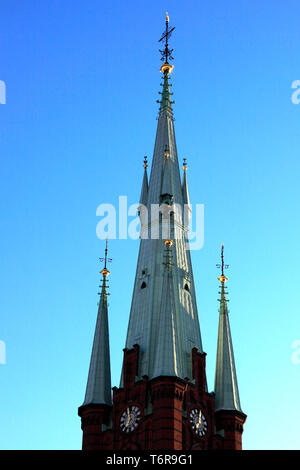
(82, 80)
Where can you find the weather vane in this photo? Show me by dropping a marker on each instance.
(223, 266)
(106, 260)
(166, 53)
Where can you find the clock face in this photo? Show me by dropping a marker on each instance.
(198, 422)
(130, 418)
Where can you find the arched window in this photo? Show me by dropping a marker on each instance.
(144, 285)
(186, 287)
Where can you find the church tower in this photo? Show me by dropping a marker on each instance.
(163, 402)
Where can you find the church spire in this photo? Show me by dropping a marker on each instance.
(144, 190)
(166, 69)
(98, 389)
(159, 294)
(226, 385)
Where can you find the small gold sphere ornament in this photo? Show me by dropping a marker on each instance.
(105, 272)
(223, 279)
(166, 68)
(168, 242)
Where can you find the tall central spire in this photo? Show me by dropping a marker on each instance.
(164, 300)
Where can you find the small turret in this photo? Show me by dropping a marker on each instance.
(144, 190)
(229, 415)
(185, 192)
(95, 411)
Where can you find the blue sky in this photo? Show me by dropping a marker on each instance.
(82, 81)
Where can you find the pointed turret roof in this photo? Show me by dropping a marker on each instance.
(184, 188)
(98, 389)
(144, 190)
(226, 385)
(151, 307)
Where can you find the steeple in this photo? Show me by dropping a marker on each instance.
(98, 389)
(161, 296)
(163, 402)
(166, 69)
(144, 191)
(226, 385)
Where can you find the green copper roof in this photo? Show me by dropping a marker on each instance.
(98, 389)
(185, 190)
(165, 102)
(226, 385)
(152, 311)
(144, 191)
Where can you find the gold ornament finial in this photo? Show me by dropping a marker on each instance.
(166, 153)
(184, 165)
(105, 272)
(169, 242)
(223, 266)
(145, 161)
(166, 53)
(166, 68)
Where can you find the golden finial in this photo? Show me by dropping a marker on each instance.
(168, 242)
(166, 154)
(166, 53)
(223, 266)
(166, 68)
(145, 162)
(105, 272)
(184, 165)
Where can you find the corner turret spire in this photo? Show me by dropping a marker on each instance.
(144, 190)
(98, 389)
(226, 385)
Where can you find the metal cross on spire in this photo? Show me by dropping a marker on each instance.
(222, 266)
(166, 52)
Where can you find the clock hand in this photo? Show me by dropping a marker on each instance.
(199, 420)
(128, 418)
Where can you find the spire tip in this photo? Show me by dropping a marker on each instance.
(105, 272)
(222, 266)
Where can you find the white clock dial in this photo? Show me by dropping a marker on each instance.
(130, 418)
(198, 422)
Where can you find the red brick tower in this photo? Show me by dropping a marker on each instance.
(162, 402)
